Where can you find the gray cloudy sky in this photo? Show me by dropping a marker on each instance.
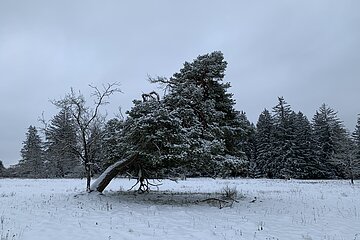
(307, 51)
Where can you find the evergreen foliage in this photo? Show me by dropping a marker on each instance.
(356, 137)
(154, 134)
(345, 160)
(2, 169)
(283, 140)
(32, 154)
(354, 156)
(88, 122)
(289, 146)
(263, 145)
(206, 111)
(61, 146)
(328, 136)
(111, 141)
(194, 130)
(304, 165)
(96, 155)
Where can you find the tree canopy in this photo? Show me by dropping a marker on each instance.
(192, 129)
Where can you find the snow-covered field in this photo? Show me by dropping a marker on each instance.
(267, 209)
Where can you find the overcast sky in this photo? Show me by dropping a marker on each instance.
(307, 51)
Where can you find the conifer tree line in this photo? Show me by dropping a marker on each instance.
(192, 129)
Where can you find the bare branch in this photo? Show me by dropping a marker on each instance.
(160, 80)
(154, 96)
(101, 96)
(85, 117)
(120, 115)
(43, 122)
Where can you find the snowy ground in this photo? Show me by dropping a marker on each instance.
(58, 209)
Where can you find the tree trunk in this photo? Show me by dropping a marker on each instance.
(105, 178)
(88, 177)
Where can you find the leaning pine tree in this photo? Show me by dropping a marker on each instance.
(192, 131)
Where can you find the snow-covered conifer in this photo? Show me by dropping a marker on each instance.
(31, 164)
(208, 118)
(61, 145)
(194, 130)
(329, 136)
(111, 140)
(283, 140)
(304, 163)
(263, 145)
(355, 165)
(2, 169)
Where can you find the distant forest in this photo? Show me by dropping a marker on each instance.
(192, 130)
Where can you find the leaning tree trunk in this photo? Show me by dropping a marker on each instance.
(112, 171)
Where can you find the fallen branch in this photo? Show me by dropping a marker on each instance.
(219, 201)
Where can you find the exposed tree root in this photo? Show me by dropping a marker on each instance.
(144, 183)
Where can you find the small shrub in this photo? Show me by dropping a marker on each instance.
(229, 193)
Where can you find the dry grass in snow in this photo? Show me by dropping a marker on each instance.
(191, 209)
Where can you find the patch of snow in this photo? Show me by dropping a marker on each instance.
(267, 209)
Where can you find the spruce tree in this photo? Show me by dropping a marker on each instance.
(348, 159)
(263, 145)
(329, 135)
(61, 145)
(305, 165)
(345, 161)
(244, 140)
(2, 169)
(356, 137)
(32, 154)
(96, 154)
(111, 141)
(355, 164)
(283, 140)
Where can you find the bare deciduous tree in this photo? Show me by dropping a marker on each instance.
(86, 118)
